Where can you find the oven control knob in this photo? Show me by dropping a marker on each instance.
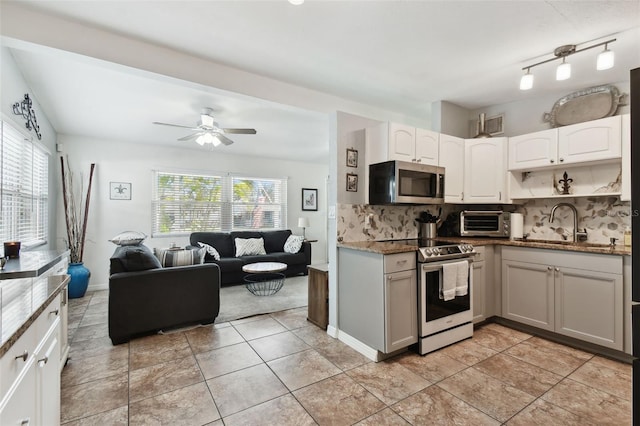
(436, 251)
(427, 252)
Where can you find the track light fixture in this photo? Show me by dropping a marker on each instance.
(563, 72)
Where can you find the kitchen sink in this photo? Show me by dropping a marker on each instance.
(567, 243)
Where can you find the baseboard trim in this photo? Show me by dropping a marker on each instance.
(356, 344)
(332, 331)
(97, 287)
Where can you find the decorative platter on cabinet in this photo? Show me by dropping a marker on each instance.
(585, 105)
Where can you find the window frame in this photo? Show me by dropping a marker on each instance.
(227, 207)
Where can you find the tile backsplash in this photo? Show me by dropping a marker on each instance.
(603, 217)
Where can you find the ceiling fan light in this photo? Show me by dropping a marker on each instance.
(563, 72)
(200, 140)
(526, 82)
(215, 140)
(606, 59)
(206, 120)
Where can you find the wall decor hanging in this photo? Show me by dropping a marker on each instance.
(309, 199)
(120, 190)
(352, 182)
(352, 157)
(26, 111)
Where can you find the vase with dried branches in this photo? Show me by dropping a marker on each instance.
(75, 215)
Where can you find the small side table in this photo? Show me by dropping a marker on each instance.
(318, 297)
(265, 278)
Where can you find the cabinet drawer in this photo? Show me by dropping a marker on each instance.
(48, 317)
(399, 262)
(12, 363)
(479, 257)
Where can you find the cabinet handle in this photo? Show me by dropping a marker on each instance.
(419, 160)
(24, 356)
(25, 422)
(552, 161)
(400, 262)
(388, 277)
(562, 160)
(557, 269)
(549, 268)
(43, 361)
(462, 196)
(500, 195)
(54, 312)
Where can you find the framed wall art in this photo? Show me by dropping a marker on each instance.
(352, 157)
(352, 182)
(309, 199)
(120, 190)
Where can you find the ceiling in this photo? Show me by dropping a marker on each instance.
(398, 56)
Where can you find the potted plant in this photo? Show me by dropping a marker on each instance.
(76, 221)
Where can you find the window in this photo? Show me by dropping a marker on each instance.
(185, 203)
(24, 188)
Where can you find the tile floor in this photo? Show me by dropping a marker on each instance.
(279, 369)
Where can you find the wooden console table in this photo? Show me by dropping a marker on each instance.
(318, 303)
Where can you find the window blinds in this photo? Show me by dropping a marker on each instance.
(24, 188)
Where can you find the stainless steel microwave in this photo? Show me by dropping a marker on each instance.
(402, 182)
(485, 223)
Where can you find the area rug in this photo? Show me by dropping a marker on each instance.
(237, 302)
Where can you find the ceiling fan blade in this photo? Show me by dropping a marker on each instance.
(225, 140)
(241, 131)
(191, 137)
(175, 125)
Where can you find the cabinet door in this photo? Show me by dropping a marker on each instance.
(451, 157)
(590, 141)
(528, 293)
(48, 378)
(484, 171)
(401, 310)
(533, 150)
(479, 292)
(18, 407)
(402, 142)
(626, 158)
(427, 147)
(318, 298)
(589, 306)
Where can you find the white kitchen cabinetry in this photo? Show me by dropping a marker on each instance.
(378, 297)
(393, 141)
(485, 171)
(626, 158)
(451, 157)
(586, 142)
(483, 284)
(575, 294)
(533, 150)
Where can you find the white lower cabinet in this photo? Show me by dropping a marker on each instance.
(378, 298)
(483, 291)
(575, 294)
(30, 380)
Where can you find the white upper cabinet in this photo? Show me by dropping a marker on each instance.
(451, 157)
(485, 171)
(393, 141)
(533, 150)
(427, 146)
(626, 158)
(591, 141)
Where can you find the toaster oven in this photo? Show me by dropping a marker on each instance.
(484, 223)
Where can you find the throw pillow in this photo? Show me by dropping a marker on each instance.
(249, 246)
(293, 244)
(169, 257)
(211, 251)
(128, 238)
(133, 258)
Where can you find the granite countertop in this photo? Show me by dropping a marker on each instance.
(401, 246)
(25, 293)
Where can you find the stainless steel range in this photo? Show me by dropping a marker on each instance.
(445, 304)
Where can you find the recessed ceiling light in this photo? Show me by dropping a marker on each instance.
(296, 2)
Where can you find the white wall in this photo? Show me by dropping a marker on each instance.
(124, 162)
(13, 90)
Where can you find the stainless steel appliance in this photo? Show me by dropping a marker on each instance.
(402, 182)
(635, 238)
(485, 223)
(442, 322)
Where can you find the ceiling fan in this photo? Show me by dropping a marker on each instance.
(207, 130)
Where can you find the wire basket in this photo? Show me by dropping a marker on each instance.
(264, 284)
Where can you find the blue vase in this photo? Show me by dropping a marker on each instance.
(79, 279)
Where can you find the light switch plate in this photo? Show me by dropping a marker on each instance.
(332, 212)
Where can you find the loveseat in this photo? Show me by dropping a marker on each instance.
(144, 297)
(231, 266)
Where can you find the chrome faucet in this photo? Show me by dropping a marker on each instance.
(577, 235)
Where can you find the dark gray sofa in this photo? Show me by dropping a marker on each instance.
(231, 266)
(145, 298)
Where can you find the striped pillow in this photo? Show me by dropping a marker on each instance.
(171, 257)
(249, 246)
(293, 243)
